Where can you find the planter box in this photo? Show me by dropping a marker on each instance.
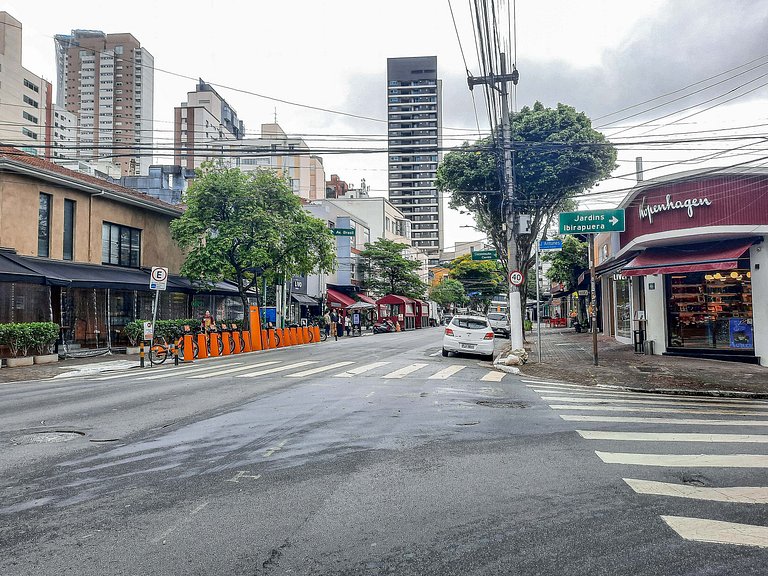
(14, 362)
(46, 358)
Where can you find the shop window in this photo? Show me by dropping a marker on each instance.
(623, 309)
(120, 245)
(711, 309)
(44, 226)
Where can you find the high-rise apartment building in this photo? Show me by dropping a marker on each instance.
(107, 82)
(415, 138)
(25, 98)
(200, 122)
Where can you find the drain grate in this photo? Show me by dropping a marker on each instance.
(501, 404)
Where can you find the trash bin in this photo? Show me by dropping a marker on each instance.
(638, 337)
(648, 347)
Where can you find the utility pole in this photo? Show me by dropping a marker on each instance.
(511, 216)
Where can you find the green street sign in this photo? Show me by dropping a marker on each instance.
(592, 221)
(484, 255)
(343, 231)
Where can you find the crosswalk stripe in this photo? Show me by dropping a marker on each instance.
(405, 371)
(319, 369)
(552, 383)
(718, 532)
(648, 396)
(661, 401)
(493, 376)
(673, 437)
(277, 369)
(657, 410)
(359, 370)
(166, 372)
(122, 374)
(736, 494)
(686, 460)
(446, 372)
(656, 420)
(232, 370)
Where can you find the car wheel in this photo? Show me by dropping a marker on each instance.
(445, 352)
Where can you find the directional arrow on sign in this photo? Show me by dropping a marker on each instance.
(614, 220)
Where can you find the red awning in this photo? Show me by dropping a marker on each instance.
(334, 297)
(689, 258)
(364, 298)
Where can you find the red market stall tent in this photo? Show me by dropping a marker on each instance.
(422, 314)
(397, 309)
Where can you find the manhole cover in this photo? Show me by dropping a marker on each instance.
(501, 404)
(51, 437)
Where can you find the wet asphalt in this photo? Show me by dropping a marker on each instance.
(190, 470)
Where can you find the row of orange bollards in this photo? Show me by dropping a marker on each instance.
(255, 339)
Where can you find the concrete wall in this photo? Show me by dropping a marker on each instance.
(655, 312)
(759, 261)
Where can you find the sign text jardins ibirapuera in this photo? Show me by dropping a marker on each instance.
(649, 210)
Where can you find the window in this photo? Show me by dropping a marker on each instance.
(28, 116)
(29, 133)
(120, 245)
(31, 86)
(29, 101)
(69, 230)
(470, 323)
(44, 226)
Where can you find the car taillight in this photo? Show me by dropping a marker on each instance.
(488, 336)
(448, 332)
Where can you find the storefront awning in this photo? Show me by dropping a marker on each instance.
(364, 298)
(304, 299)
(337, 299)
(612, 266)
(689, 258)
(13, 271)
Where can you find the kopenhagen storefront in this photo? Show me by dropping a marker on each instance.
(689, 276)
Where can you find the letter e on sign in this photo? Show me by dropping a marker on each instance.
(516, 278)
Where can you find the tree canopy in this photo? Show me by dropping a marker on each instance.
(448, 292)
(247, 226)
(557, 155)
(568, 263)
(387, 271)
(482, 279)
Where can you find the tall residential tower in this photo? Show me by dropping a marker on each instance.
(107, 81)
(415, 138)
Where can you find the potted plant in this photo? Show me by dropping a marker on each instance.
(44, 336)
(134, 331)
(18, 338)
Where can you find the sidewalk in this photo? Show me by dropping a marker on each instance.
(567, 357)
(69, 367)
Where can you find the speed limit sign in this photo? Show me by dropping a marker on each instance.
(516, 278)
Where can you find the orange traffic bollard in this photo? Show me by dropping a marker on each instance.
(226, 344)
(316, 332)
(295, 336)
(189, 354)
(237, 342)
(202, 346)
(255, 325)
(307, 336)
(271, 339)
(264, 340)
(246, 341)
(214, 345)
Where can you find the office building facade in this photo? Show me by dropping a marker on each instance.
(414, 143)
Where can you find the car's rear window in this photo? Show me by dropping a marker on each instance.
(496, 316)
(470, 323)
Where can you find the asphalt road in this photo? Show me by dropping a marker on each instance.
(374, 455)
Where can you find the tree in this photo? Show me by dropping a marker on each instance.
(482, 279)
(448, 292)
(387, 271)
(557, 155)
(568, 263)
(245, 227)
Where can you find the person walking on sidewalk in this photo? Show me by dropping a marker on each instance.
(327, 322)
(334, 324)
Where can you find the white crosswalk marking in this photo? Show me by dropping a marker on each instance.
(582, 408)
(715, 531)
(673, 437)
(277, 369)
(405, 371)
(686, 460)
(647, 396)
(493, 376)
(737, 494)
(657, 420)
(447, 372)
(319, 369)
(360, 370)
(168, 372)
(232, 370)
(660, 401)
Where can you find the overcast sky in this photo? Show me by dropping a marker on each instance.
(598, 56)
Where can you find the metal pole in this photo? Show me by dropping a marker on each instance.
(154, 318)
(538, 305)
(593, 303)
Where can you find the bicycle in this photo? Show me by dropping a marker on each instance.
(160, 351)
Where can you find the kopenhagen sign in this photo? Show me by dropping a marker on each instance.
(484, 255)
(592, 221)
(343, 231)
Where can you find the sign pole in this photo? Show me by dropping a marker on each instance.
(538, 305)
(154, 317)
(593, 303)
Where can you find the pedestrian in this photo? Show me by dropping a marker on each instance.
(327, 322)
(335, 325)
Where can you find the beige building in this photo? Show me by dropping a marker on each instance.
(107, 82)
(25, 98)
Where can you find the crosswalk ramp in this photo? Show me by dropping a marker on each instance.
(634, 429)
(297, 370)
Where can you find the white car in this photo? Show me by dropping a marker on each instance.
(499, 322)
(469, 334)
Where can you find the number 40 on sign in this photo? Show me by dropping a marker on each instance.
(516, 278)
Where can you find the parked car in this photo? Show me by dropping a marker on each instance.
(499, 322)
(468, 334)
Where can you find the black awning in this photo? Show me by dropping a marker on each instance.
(13, 271)
(304, 299)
